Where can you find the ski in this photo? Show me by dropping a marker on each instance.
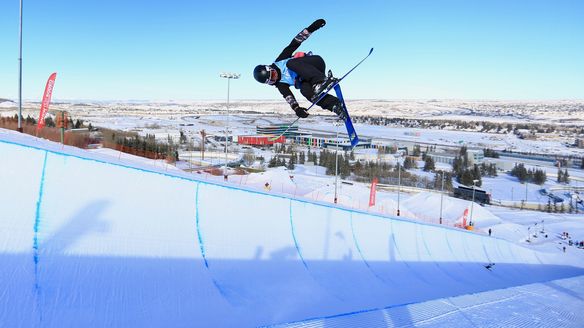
(348, 122)
(323, 93)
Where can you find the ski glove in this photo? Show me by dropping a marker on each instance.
(305, 33)
(316, 25)
(301, 112)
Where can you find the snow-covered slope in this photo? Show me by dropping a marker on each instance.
(89, 240)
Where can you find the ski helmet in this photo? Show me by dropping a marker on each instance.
(265, 74)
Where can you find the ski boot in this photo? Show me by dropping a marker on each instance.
(340, 111)
(323, 86)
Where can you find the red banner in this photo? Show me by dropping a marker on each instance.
(372, 192)
(464, 216)
(46, 100)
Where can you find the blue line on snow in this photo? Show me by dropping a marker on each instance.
(37, 218)
(35, 244)
(199, 236)
(361, 253)
(202, 245)
(306, 321)
(294, 238)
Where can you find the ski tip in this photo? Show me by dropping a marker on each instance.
(370, 51)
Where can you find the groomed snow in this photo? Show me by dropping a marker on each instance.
(94, 240)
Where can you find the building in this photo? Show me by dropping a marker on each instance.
(474, 157)
(322, 140)
(221, 138)
(580, 142)
(278, 129)
(444, 158)
(262, 140)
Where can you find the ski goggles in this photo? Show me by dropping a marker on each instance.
(272, 75)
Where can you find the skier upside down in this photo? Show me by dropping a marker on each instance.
(302, 70)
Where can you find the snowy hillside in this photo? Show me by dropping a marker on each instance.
(560, 112)
(93, 240)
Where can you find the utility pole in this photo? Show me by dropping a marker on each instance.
(471, 223)
(441, 197)
(525, 202)
(20, 72)
(398, 184)
(203, 136)
(337, 161)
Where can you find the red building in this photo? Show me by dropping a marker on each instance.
(259, 140)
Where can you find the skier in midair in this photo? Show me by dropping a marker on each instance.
(305, 71)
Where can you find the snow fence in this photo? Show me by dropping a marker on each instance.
(85, 242)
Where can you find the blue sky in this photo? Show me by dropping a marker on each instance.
(161, 50)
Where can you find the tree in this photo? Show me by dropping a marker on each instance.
(183, 138)
(539, 177)
(249, 157)
(520, 172)
(563, 176)
(416, 151)
(345, 168)
(493, 169)
(49, 122)
(464, 156)
(457, 167)
(409, 163)
(291, 163)
(490, 153)
(476, 174)
(447, 180)
(301, 157)
(466, 178)
(429, 164)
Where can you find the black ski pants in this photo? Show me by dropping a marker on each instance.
(311, 71)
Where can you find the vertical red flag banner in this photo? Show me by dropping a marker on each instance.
(46, 100)
(372, 192)
(464, 216)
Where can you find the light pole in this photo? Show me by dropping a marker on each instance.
(472, 203)
(441, 197)
(526, 183)
(398, 184)
(228, 76)
(20, 72)
(337, 161)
